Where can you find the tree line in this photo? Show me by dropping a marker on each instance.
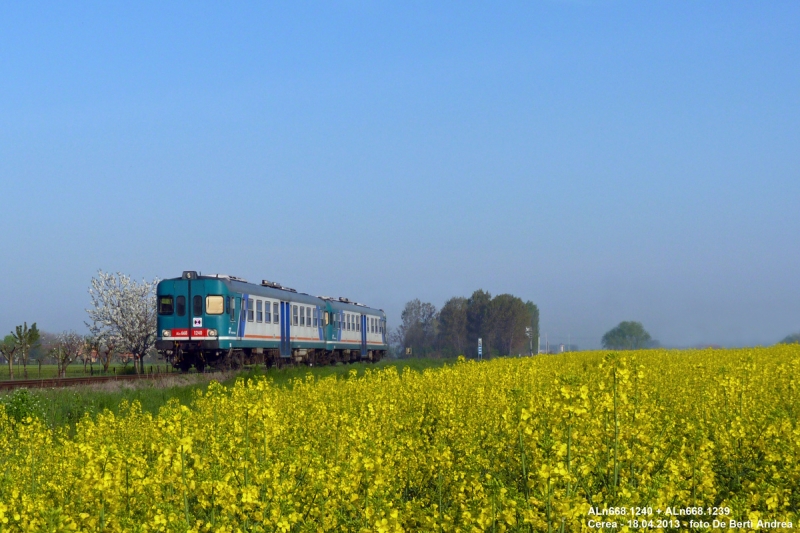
(122, 325)
(499, 321)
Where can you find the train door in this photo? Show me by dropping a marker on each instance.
(363, 335)
(286, 339)
(242, 309)
(183, 315)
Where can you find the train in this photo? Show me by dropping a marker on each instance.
(224, 322)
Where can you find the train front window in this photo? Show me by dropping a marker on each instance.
(165, 306)
(197, 305)
(180, 304)
(215, 305)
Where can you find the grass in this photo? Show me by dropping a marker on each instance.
(66, 406)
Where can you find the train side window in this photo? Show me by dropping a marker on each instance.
(314, 311)
(302, 315)
(358, 322)
(275, 314)
(259, 312)
(197, 305)
(165, 305)
(250, 310)
(308, 316)
(267, 314)
(349, 322)
(180, 305)
(231, 307)
(295, 320)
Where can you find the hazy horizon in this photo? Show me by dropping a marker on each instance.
(609, 161)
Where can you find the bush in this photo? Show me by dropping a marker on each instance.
(21, 404)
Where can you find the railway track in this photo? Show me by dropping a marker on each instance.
(70, 382)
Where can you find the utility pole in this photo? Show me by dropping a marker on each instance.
(529, 334)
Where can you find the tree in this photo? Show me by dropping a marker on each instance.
(418, 328)
(91, 347)
(509, 317)
(452, 335)
(479, 320)
(7, 349)
(626, 336)
(26, 339)
(68, 347)
(794, 338)
(106, 351)
(124, 313)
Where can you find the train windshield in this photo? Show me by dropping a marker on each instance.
(215, 305)
(165, 306)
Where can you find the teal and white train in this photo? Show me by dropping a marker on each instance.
(223, 321)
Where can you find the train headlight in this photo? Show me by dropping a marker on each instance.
(212, 333)
(166, 333)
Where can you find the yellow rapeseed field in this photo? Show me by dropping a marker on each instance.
(516, 444)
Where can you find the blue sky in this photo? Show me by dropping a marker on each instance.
(608, 160)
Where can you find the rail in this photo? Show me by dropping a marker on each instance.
(69, 382)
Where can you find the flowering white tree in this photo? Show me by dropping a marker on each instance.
(67, 348)
(123, 313)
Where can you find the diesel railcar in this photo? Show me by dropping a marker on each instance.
(223, 321)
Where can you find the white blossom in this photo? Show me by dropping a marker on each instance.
(124, 312)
